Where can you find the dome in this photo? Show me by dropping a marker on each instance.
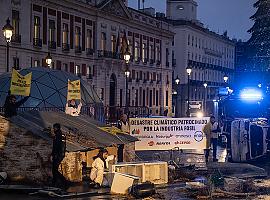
(49, 88)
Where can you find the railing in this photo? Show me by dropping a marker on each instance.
(37, 42)
(52, 44)
(16, 38)
(113, 113)
(109, 114)
(89, 51)
(78, 49)
(65, 47)
(95, 111)
(109, 54)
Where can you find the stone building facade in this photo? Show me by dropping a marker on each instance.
(84, 37)
(211, 56)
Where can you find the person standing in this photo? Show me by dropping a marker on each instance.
(211, 130)
(58, 152)
(98, 167)
(11, 105)
(124, 124)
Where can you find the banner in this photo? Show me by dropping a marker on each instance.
(168, 133)
(20, 85)
(74, 90)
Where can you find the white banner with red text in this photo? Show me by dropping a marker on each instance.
(168, 133)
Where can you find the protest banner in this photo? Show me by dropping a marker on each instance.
(168, 133)
(74, 90)
(20, 85)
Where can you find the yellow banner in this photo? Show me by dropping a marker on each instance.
(74, 90)
(20, 85)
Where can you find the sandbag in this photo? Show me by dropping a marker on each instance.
(143, 190)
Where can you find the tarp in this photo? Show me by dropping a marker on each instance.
(82, 132)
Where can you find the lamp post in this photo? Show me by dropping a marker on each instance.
(8, 31)
(127, 74)
(189, 70)
(48, 60)
(205, 96)
(177, 81)
(226, 78)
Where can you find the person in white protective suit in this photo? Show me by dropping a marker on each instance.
(99, 166)
(72, 109)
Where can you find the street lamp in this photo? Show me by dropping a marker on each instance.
(8, 31)
(177, 80)
(189, 70)
(205, 96)
(127, 57)
(225, 78)
(48, 60)
(127, 74)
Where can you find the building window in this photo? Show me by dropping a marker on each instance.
(188, 39)
(158, 53)
(37, 27)
(137, 49)
(15, 22)
(130, 47)
(77, 37)
(167, 57)
(51, 30)
(66, 67)
(36, 63)
(121, 97)
(144, 52)
(136, 97)
(113, 43)
(157, 104)
(65, 33)
(152, 52)
(103, 41)
(167, 98)
(89, 37)
(77, 70)
(192, 41)
(150, 98)
(102, 94)
(16, 64)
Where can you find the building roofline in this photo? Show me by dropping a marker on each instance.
(194, 25)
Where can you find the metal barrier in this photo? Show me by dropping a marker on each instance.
(108, 114)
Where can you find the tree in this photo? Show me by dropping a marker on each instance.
(259, 43)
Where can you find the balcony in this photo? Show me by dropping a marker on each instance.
(89, 51)
(167, 64)
(152, 61)
(78, 49)
(108, 54)
(52, 45)
(145, 61)
(89, 76)
(174, 62)
(37, 42)
(137, 80)
(16, 39)
(158, 62)
(79, 75)
(65, 47)
(138, 60)
(145, 81)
